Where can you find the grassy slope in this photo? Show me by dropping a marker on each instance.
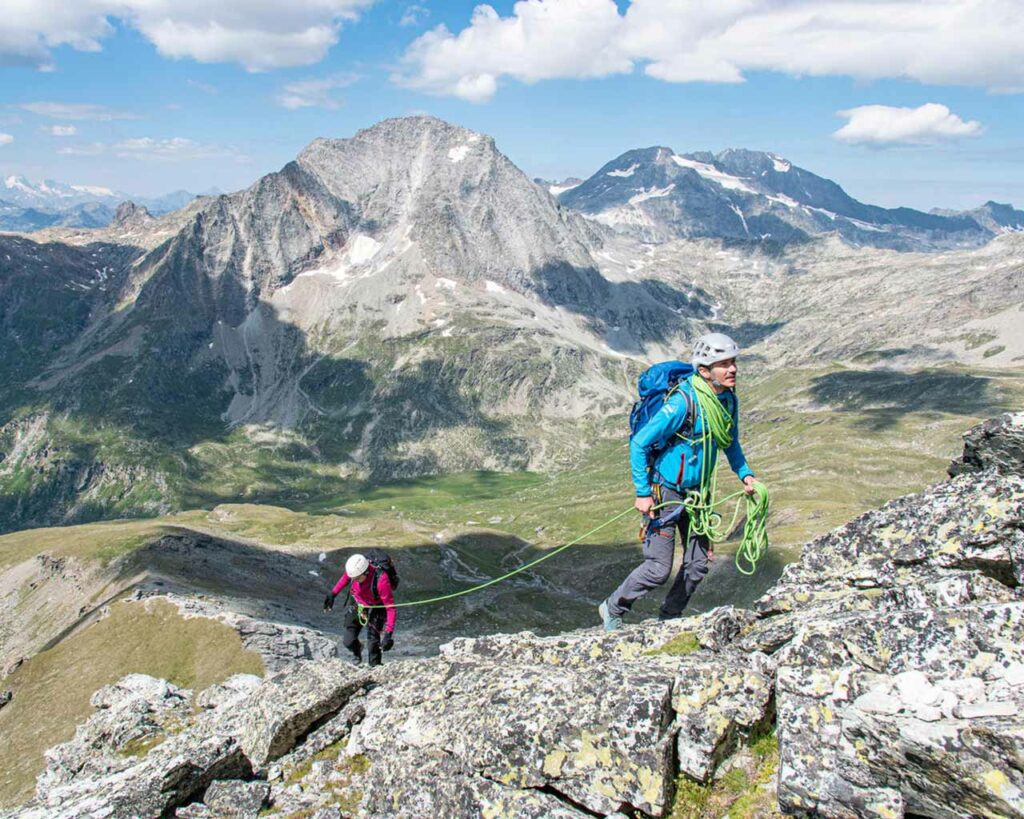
(52, 689)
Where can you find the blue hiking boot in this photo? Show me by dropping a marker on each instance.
(610, 623)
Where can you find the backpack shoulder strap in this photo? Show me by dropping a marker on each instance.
(690, 421)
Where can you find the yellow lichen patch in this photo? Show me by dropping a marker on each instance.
(629, 651)
(650, 785)
(590, 755)
(595, 651)
(997, 782)
(891, 535)
(553, 763)
(998, 509)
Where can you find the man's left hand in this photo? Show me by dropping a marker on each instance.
(748, 484)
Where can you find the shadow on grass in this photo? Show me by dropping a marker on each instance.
(883, 397)
(748, 333)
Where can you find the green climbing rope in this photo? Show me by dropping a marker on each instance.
(507, 575)
(705, 520)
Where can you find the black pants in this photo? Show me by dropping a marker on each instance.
(376, 618)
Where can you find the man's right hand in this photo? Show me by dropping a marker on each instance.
(329, 602)
(645, 505)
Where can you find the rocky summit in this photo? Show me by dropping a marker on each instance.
(887, 663)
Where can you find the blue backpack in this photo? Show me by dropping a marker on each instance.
(654, 386)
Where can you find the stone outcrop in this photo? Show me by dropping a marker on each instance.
(890, 659)
(996, 444)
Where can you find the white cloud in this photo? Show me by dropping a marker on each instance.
(315, 93)
(259, 34)
(61, 110)
(414, 15)
(174, 149)
(541, 40)
(886, 125)
(961, 42)
(62, 130)
(6, 139)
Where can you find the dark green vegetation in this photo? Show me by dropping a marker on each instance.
(52, 689)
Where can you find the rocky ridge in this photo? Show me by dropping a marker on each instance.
(889, 658)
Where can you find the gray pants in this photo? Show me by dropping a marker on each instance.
(659, 549)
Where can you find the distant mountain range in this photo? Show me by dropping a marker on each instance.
(656, 194)
(28, 206)
(406, 302)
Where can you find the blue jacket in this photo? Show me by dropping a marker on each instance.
(679, 464)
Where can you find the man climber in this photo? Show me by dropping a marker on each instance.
(370, 587)
(680, 439)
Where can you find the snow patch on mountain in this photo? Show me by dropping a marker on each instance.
(362, 249)
(713, 174)
(654, 193)
(94, 190)
(781, 165)
(627, 172)
(782, 199)
(458, 153)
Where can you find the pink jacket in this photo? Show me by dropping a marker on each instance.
(363, 593)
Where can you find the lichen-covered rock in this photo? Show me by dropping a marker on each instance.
(232, 799)
(717, 703)
(920, 712)
(602, 738)
(286, 705)
(892, 652)
(974, 522)
(170, 774)
(439, 784)
(130, 713)
(997, 443)
(234, 688)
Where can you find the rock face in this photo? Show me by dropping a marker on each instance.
(996, 444)
(890, 658)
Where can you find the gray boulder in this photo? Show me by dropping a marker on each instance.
(997, 443)
(232, 799)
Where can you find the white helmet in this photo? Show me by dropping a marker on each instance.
(712, 347)
(356, 565)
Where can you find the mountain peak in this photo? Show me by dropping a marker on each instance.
(128, 214)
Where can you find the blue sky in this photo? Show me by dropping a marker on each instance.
(159, 100)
